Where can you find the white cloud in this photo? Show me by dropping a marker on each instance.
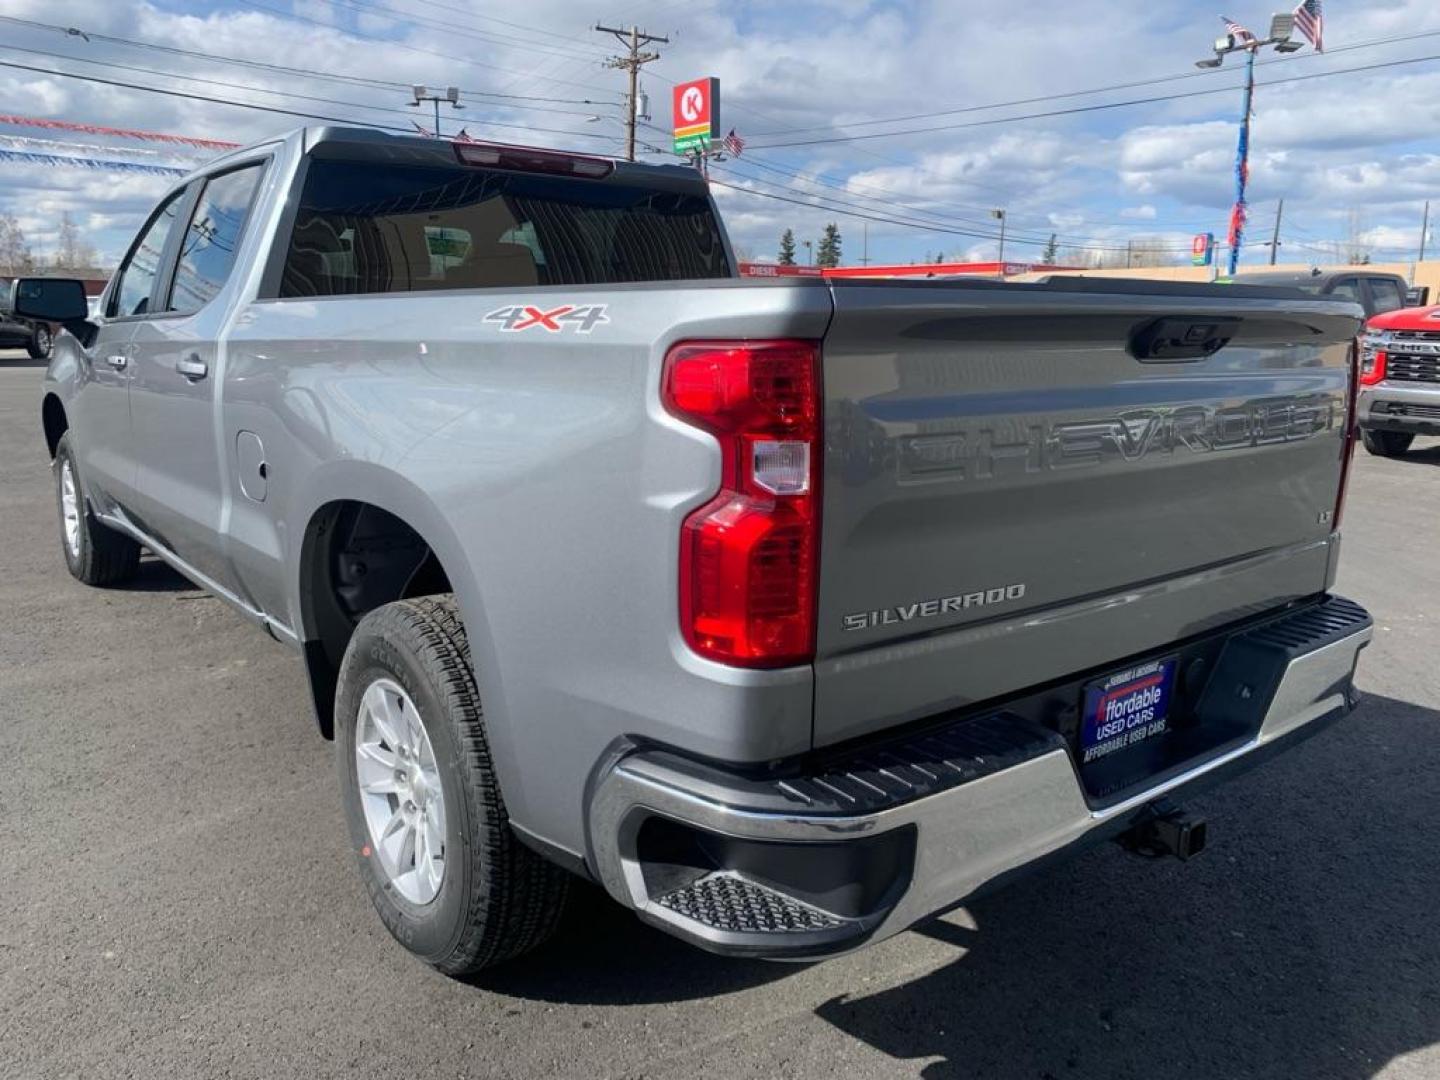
(1325, 145)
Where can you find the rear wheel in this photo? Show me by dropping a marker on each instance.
(1386, 443)
(94, 554)
(41, 343)
(426, 816)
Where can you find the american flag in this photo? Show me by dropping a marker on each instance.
(733, 144)
(1236, 30)
(1310, 21)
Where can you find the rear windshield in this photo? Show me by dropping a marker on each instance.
(384, 228)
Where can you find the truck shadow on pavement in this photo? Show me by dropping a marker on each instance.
(1426, 455)
(604, 955)
(1303, 944)
(157, 576)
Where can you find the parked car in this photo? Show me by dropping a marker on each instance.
(1400, 380)
(1376, 292)
(791, 612)
(35, 337)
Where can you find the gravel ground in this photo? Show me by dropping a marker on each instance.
(180, 902)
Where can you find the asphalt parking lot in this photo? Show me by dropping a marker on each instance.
(179, 900)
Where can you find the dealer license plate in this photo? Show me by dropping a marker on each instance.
(1127, 709)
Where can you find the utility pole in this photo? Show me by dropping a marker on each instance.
(632, 62)
(1424, 230)
(865, 244)
(1000, 216)
(1275, 240)
(809, 252)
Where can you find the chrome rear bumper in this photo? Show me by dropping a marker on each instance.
(775, 868)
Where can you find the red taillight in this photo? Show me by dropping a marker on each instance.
(748, 556)
(1347, 445)
(1372, 368)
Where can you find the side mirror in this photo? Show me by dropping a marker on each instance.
(56, 300)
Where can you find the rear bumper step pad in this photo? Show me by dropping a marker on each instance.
(865, 844)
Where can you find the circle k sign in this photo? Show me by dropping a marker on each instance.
(696, 114)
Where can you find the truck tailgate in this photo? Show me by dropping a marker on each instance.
(1017, 489)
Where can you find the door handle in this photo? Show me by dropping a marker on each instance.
(118, 361)
(192, 367)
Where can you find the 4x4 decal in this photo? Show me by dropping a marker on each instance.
(582, 319)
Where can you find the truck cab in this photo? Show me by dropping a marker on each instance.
(1400, 380)
(1374, 291)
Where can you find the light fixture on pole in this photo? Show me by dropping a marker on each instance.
(422, 94)
(1239, 39)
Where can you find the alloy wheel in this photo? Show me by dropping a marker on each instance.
(400, 791)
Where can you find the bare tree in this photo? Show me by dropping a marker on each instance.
(72, 250)
(1139, 252)
(15, 255)
(1356, 251)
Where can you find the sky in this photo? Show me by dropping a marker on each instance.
(828, 96)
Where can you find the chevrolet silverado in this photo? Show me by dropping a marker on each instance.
(790, 612)
(1400, 380)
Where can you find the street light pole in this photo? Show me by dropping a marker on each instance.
(1242, 162)
(422, 94)
(1238, 39)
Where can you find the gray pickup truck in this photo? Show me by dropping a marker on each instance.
(791, 612)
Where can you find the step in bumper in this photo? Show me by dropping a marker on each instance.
(815, 863)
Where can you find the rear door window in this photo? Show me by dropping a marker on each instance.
(371, 227)
(1385, 296)
(207, 253)
(1347, 289)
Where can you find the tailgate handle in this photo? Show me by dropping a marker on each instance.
(1180, 339)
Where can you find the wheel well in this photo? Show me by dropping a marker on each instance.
(355, 558)
(52, 415)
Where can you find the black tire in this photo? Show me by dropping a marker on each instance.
(1386, 443)
(99, 554)
(41, 343)
(497, 898)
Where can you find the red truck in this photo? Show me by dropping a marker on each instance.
(1400, 379)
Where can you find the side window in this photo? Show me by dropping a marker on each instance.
(208, 249)
(131, 295)
(1386, 295)
(1349, 289)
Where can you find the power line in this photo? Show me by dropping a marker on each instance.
(958, 110)
(358, 80)
(397, 44)
(1079, 109)
(488, 36)
(819, 179)
(513, 25)
(868, 214)
(288, 94)
(349, 121)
